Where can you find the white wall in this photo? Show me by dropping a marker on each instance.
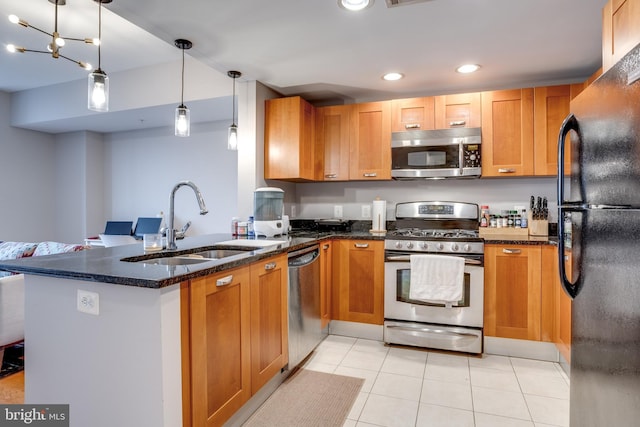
(316, 200)
(27, 175)
(142, 167)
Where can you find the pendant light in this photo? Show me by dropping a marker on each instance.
(232, 143)
(98, 81)
(182, 122)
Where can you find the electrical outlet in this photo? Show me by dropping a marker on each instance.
(337, 211)
(88, 302)
(366, 211)
(293, 211)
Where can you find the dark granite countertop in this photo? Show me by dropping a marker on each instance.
(106, 265)
(525, 240)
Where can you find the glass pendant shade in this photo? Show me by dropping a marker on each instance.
(98, 91)
(232, 143)
(183, 125)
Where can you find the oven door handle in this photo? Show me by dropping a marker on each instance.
(432, 331)
(406, 258)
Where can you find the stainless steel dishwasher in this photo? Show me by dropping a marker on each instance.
(305, 327)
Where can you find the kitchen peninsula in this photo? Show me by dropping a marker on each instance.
(123, 366)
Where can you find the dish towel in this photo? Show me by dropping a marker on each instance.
(436, 278)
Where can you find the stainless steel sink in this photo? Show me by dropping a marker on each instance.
(189, 258)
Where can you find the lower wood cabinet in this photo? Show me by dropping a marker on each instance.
(326, 281)
(358, 281)
(234, 327)
(512, 302)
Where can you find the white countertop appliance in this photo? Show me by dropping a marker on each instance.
(268, 207)
(441, 230)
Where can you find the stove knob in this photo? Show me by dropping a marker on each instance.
(466, 248)
(439, 246)
(409, 245)
(454, 247)
(424, 245)
(399, 245)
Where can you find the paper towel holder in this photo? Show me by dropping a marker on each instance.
(379, 217)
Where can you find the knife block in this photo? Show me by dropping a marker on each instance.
(538, 227)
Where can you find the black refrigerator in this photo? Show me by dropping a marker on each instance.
(602, 198)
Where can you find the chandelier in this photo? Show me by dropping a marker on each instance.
(57, 41)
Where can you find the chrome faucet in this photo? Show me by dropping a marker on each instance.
(171, 232)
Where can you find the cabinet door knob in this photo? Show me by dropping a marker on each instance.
(370, 174)
(361, 245)
(457, 123)
(506, 170)
(511, 251)
(270, 266)
(224, 281)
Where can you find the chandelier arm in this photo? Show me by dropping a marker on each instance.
(38, 29)
(70, 59)
(37, 51)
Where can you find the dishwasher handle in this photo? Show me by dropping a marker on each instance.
(304, 256)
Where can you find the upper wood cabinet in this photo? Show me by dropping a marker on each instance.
(358, 284)
(512, 294)
(334, 127)
(412, 114)
(459, 110)
(507, 132)
(370, 148)
(551, 107)
(289, 144)
(620, 30)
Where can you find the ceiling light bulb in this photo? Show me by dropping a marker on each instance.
(393, 76)
(14, 19)
(182, 121)
(95, 42)
(467, 68)
(355, 5)
(232, 141)
(60, 41)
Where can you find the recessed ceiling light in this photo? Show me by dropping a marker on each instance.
(468, 68)
(393, 76)
(355, 5)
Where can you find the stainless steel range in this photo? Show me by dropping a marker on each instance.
(442, 228)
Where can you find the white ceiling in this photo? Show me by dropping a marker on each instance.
(316, 49)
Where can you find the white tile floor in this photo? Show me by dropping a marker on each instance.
(407, 387)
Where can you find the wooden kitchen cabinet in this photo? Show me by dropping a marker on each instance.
(370, 148)
(412, 114)
(620, 30)
(507, 133)
(458, 110)
(235, 338)
(289, 145)
(512, 298)
(219, 317)
(358, 282)
(326, 282)
(551, 107)
(269, 319)
(334, 127)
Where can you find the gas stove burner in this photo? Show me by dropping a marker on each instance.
(435, 234)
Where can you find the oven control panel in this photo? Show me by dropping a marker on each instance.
(452, 247)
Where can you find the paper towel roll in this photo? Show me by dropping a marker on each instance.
(379, 215)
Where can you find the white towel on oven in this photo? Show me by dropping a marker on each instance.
(436, 278)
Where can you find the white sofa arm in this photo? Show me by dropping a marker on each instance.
(11, 309)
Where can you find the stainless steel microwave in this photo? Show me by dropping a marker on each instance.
(436, 154)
